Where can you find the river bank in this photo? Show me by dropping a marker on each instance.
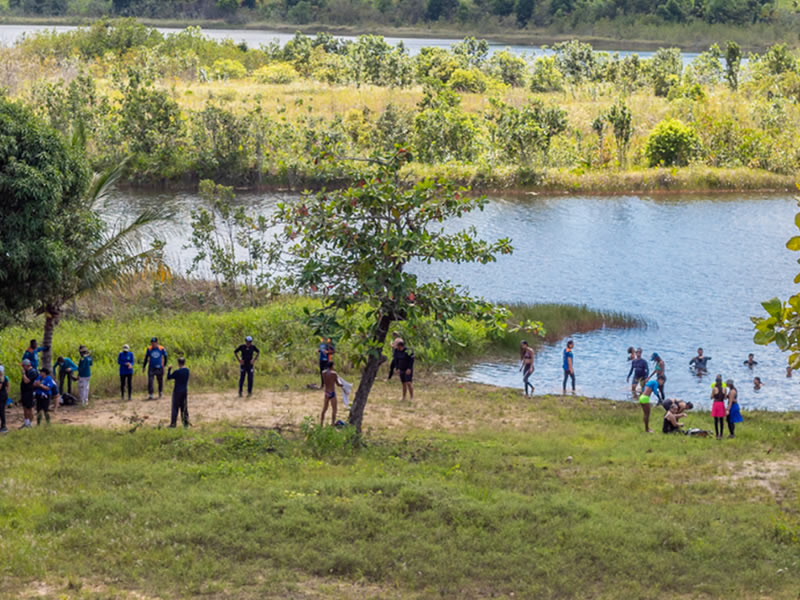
(608, 35)
(468, 492)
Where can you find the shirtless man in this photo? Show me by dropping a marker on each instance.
(330, 379)
(526, 355)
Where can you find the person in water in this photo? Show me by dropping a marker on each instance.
(751, 360)
(631, 353)
(569, 367)
(659, 370)
(640, 371)
(650, 388)
(789, 371)
(700, 362)
(733, 414)
(672, 419)
(757, 383)
(718, 406)
(526, 356)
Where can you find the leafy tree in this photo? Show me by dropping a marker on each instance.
(781, 326)
(40, 178)
(576, 60)
(372, 60)
(671, 143)
(443, 131)
(354, 247)
(665, 69)
(620, 117)
(524, 11)
(545, 76)
(474, 52)
(733, 62)
(524, 133)
(508, 68)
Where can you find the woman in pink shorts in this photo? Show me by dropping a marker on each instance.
(718, 406)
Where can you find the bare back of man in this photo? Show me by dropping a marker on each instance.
(330, 379)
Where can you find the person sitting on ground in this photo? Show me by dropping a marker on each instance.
(751, 360)
(650, 388)
(682, 406)
(700, 362)
(403, 361)
(330, 379)
(672, 419)
(757, 383)
(640, 371)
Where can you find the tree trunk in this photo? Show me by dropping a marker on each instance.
(51, 316)
(369, 373)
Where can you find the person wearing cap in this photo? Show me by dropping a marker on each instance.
(125, 360)
(3, 398)
(29, 376)
(659, 368)
(66, 368)
(84, 374)
(44, 390)
(155, 360)
(32, 352)
(247, 355)
(179, 393)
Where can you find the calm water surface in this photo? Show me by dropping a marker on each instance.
(694, 267)
(255, 38)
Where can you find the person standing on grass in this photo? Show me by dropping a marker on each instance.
(84, 374)
(403, 361)
(247, 354)
(718, 406)
(3, 398)
(650, 388)
(330, 379)
(155, 360)
(29, 376)
(640, 371)
(569, 367)
(45, 390)
(526, 356)
(66, 368)
(659, 370)
(733, 414)
(326, 352)
(180, 393)
(125, 360)
(31, 353)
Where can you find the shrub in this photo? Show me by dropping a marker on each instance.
(226, 68)
(545, 76)
(468, 80)
(671, 143)
(508, 68)
(276, 73)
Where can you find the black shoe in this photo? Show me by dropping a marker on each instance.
(170, 426)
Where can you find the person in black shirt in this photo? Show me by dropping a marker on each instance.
(751, 360)
(247, 355)
(3, 398)
(179, 393)
(403, 361)
(29, 375)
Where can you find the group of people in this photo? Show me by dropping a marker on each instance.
(649, 383)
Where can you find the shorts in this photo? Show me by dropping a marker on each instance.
(644, 399)
(330, 395)
(406, 378)
(639, 381)
(27, 401)
(42, 403)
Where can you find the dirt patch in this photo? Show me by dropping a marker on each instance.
(769, 475)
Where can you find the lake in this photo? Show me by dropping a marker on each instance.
(694, 267)
(255, 38)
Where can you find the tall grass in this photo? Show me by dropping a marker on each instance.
(208, 338)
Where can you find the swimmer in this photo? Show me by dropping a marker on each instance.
(631, 353)
(751, 360)
(789, 371)
(757, 383)
(700, 362)
(650, 388)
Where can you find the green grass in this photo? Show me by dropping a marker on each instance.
(208, 337)
(575, 503)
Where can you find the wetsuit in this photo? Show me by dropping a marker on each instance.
(403, 360)
(125, 360)
(179, 396)
(247, 367)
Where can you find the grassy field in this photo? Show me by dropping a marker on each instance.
(507, 498)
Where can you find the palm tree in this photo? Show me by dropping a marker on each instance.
(103, 255)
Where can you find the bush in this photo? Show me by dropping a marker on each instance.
(671, 143)
(545, 76)
(277, 73)
(226, 68)
(468, 80)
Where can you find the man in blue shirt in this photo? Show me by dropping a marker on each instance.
(180, 393)
(66, 368)
(640, 371)
(31, 354)
(569, 368)
(125, 361)
(44, 389)
(155, 360)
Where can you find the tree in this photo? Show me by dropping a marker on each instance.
(620, 117)
(99, 254)
(733, 62)
(353, 248)
(781, 326)
(40, 176)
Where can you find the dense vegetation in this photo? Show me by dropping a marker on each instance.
(187, 108)
(545, 498)
(510, 13)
